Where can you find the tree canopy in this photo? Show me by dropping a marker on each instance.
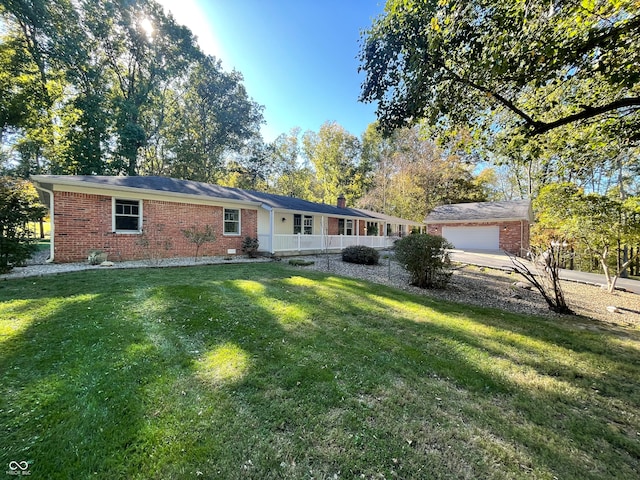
(596, 223)
(115, 87)
(532, 66)
(411, 175)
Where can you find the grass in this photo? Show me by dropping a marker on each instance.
(268, 371)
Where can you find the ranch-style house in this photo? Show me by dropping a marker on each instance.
(132, 218)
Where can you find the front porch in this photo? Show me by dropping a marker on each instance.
(296, 243)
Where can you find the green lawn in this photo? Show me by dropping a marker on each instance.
(268, 371)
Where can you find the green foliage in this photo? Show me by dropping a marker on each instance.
(360, 254)
(425, 257)
(413, 175)
(19, 205)
(199, 237)
(531, 65)
(334, 154)
(597, 223)
(87, 89)
(250, 246)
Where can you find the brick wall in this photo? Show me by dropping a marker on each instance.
(509, 237)
(332, 225)
(83, 222)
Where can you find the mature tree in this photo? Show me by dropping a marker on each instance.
(291, 174)
(376, 153)
(212, 116)
(534, 65)
(144, 50)
(250, 168)
(588, 156)
(114, 86)
(600, 224)
(334, 155)
(417, 176)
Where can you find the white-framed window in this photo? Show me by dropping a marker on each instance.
(308, 225)
(345, 226)
(302, 224)
(232, 221)
(127, 215)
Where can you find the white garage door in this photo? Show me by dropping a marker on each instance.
(473, 238)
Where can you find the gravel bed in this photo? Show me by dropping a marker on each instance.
(469, 284)
(494, 288)
(37, 266)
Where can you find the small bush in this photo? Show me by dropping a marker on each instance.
(200, 237)
(426, 259)
(297, 262)
(361, 255)
(96, 257)
(250, 246)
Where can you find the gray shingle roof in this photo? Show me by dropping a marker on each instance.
(511, 210)
(187, 187)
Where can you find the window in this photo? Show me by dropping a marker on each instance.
(349, 228)
(231, 221)
(345, 227)
(299, 226)
(308, 225)
(127, 215)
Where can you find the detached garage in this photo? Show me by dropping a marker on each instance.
(484, 225)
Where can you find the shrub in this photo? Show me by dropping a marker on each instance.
(96, 257)
(361, 255)
(200, 237)
(19, 205)
(298, 262)
(250, 246)
(426, 259)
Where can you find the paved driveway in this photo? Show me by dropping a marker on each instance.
(502, 261)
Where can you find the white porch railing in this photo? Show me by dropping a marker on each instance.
(300, 243)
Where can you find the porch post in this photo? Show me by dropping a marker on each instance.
(271, 230)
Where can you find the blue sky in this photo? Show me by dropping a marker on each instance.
(298, 58)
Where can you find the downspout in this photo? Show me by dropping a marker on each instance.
(51, 224)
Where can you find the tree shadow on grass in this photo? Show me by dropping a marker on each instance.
(265, 374)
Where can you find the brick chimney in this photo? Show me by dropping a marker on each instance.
(342, 202)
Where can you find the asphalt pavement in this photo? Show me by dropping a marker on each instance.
(502, 261)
